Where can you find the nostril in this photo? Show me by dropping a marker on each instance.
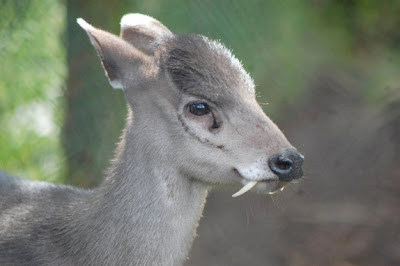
(280, 166)
(287, 165)
(284, 164)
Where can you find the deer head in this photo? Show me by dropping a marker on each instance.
(194, 106)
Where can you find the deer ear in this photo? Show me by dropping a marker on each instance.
(142, 32)
(117, 56)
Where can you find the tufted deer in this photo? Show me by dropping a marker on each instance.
(193, 124)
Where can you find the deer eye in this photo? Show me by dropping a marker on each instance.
(199, 109)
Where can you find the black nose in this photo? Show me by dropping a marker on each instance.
(287, 165)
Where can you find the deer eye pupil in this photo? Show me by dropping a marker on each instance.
(199, 109)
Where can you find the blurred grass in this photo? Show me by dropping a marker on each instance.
(283, 44)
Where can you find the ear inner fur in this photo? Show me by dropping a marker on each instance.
(118, 57)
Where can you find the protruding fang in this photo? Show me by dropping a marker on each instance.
(246, 188)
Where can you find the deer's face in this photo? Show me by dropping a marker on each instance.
(203, 104)
(226, 138)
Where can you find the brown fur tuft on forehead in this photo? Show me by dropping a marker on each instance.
(203, 67)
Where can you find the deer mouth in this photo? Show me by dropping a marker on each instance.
(277, 186)
(272, 186)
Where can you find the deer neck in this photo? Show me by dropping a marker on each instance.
(146, 204)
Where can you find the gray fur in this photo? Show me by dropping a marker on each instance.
(147, 209)
(199, 75)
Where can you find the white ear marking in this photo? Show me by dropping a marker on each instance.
(86, 26)
(116, 84)
(132, 20)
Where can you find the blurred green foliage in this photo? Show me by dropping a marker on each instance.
(32, 73)
(283, 44)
